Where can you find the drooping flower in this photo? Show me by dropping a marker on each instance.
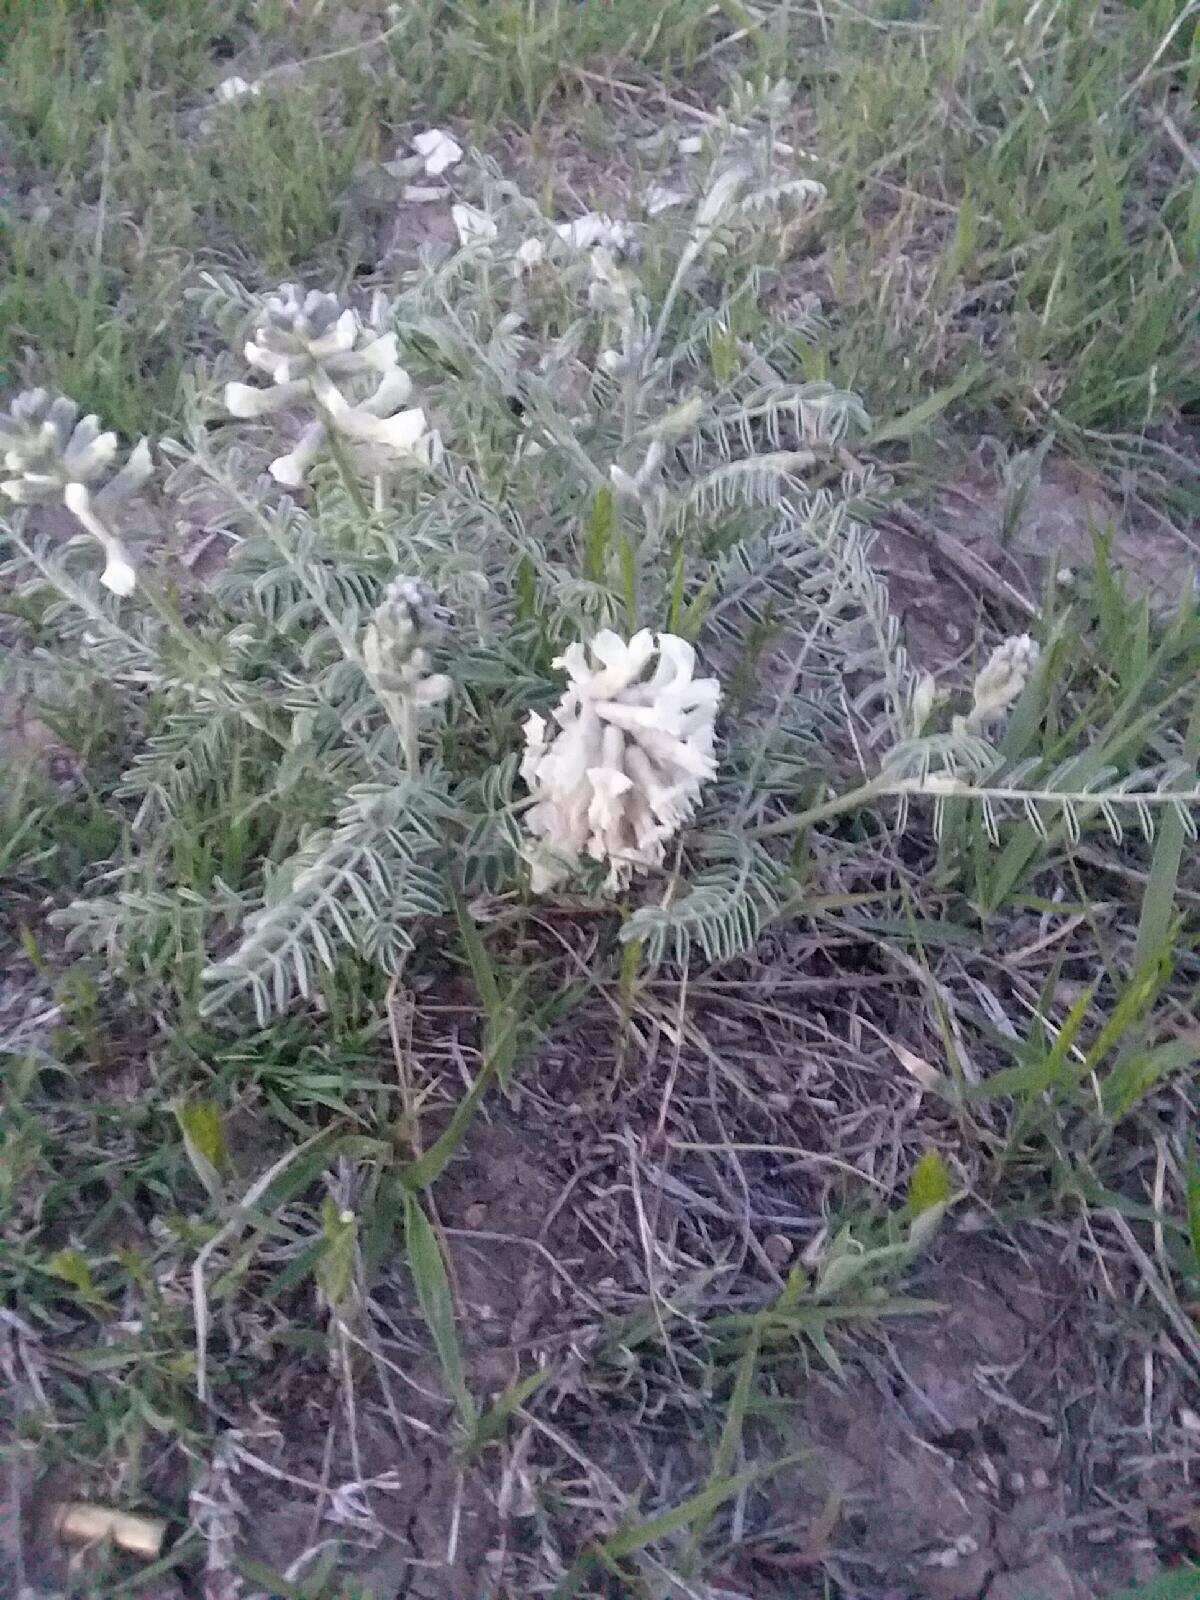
(313, 350)
(659, 198)
(529, 256)
(623, 769)
(595, 228)
(611, 287)
(54, 454)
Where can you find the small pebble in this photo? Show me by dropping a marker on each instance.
(778, 1249)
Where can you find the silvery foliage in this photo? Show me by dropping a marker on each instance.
(629, 443)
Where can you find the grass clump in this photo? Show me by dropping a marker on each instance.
(1019, 215)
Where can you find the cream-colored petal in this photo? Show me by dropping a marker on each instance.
(292, 469)
(340, 338)
(23, 490)
(439, 150)
(262, 359)
(431, 691)
(89, 452)
(400, 432)
(245, 401)
(383, 353)
(395, 387)
(473, 226)
(118, 574)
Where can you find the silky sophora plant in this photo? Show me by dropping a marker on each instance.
(564, 447)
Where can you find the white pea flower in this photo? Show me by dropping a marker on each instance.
(1002, 680)
(292, 470)
(595, 228)
(437, 150)
(472, 225)
(312, 350)
(54, 454)
(924, 699)
(658, 198)
(622, 771)
(530, 255)
(611, 288)
(237, 88)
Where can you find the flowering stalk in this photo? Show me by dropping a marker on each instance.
(1000, 682)
(397, 659)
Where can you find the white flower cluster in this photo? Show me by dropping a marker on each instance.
(54, 454)
(315, 354)
(1002, 680)
(622, 771)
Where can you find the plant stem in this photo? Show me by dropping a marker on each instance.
(408, 735)
(346, 470)
(849, 801)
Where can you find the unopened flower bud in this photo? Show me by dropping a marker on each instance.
(395, 653)
(1004, 677)
(923, 701)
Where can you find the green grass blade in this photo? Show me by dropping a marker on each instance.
(495, 1419)
(1035, 1077)
(437, 1305)
(698, 1508)
(916, 420)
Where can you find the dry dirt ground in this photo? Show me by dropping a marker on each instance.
(1032, 1434)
